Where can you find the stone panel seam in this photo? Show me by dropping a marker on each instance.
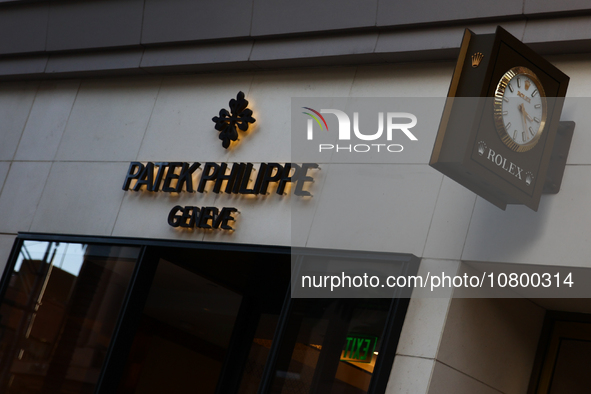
(49, 6)
(468, 231)
(444, 259)
(139, 149)
(422, 358)
(326, 168)
(40, 196)
(67, 120)
(376, 20)
(432, 215)
(414, 356)
(26, 121)
(118, 212)
(449, 299)
(5, 178)
(330, 160)
(471, 377)
(253, 43)
(142, 28)
(375, 47)
(251, 20)
(533, 301)
(353, 82)
(431, 375)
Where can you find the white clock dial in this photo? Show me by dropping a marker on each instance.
(520, 109)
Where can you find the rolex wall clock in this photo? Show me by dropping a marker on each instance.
(500, 124)
(520, 109)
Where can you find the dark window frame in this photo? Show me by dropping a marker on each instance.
(144, 272)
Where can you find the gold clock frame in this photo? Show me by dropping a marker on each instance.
(498, 108)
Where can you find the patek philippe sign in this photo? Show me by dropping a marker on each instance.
(234, 179)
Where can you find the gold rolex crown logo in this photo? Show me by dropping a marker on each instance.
(476, 59)
(527, 84)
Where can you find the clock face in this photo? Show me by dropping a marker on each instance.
(520, 109)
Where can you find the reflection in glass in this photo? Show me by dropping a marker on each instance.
(184, 334)
(208, 322)
(58, 315)
(330, 346)
(258, 353)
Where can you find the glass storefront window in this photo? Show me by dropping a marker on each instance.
(59, 313)
(331, 346)
(94, 317)
(208, 322)
(183, 336)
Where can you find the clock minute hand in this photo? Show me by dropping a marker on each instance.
(522, 110)
(525, 113)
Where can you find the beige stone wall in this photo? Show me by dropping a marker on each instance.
(65, 147)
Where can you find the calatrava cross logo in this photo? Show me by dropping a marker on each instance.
(229, 122)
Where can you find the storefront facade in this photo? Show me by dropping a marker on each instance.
(90, 87)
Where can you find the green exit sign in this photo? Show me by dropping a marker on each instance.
(359, 348)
